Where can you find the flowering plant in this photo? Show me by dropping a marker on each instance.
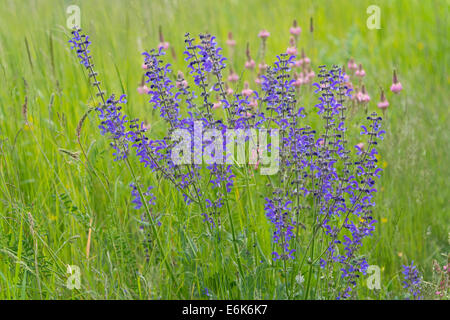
(319, 191)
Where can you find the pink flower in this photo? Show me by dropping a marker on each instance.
(181, 82)
(291, 51)
(352, 64)
(231, 42)
(311, 74)
(143, 89)
(250, 64)
(366, 98)
(217, 105)
(396, 85)
(304, 59)
(247, 92)
(264, 34)
(292, 41)
(360, 146)
(253, 104)
(254, 158)
(383, 104)
(256, 165)
(263, 66)
(164, 45)
(147, 126)
(144, 66)
(362, 96)
(258, 79)
(346, 78)
(295, 30)
(360, 72)
(299, 79)
(298, 82)
(228, 90)
(233, 77)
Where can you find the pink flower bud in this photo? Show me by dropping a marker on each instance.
(262, 66)
(258, 79)
(254, 158)
(362, 96)
(299, 79)
(346, 78)
(250, 64)
(291, 51)
(304, 60)
(143, 89)
(396, 85)
(164, 45)
(253, 104)
(263, 34)
(230, 41)
(360, 72)
(295, 30)
(352, 64)
(181, 82)
(383, 104)
(298, 82)
(247, 92)
(228, 90)
(233, 77)
(147, 126)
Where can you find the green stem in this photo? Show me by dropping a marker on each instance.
(152, 222)
(310, 272)
(233, 234)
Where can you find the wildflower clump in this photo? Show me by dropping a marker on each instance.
(319, 188)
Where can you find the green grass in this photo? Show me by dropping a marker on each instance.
(50, 193)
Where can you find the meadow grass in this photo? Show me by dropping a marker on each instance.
(53, 191)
